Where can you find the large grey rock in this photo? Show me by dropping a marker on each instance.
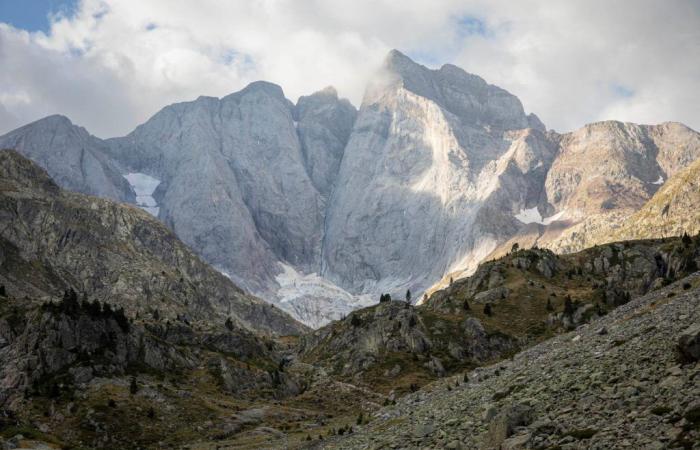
(689, 344)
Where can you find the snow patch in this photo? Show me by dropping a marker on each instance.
(532, 215)
(223, 272)
(659, 181)
(144, 186)
(314, 300)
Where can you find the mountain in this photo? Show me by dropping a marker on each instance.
(54, 240)
(622, 380)
(320, 208)
(602, 177)
(672, 211)
(435, 163)
(74, 158)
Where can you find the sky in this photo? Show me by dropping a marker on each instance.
(110, 64)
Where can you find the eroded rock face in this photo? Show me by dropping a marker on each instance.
(433, 168)
(234, 183)
(324, 124)
(52, 240)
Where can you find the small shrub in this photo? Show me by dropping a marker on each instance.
(585, 433)
(133, 386)
(660, 410)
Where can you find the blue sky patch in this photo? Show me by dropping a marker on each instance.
(33, 15)
(621, 90)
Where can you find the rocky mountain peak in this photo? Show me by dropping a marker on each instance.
(271, 89)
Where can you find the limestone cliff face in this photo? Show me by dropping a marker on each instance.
(436, 159)
(324, 124)
(234, 183)
(52, 240)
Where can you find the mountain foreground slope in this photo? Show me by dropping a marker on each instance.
(621, 381)
(54, 240)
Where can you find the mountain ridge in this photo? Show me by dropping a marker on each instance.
(435, 172)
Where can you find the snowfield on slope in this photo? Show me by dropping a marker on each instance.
(144, 186)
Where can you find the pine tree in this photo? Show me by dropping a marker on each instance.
(488, 310)
(3, 293)
(549, 305)
(70, 301)
(451, 281)
(686, 239)
(515, 248)
(133, 386)
(408, 296)
(229, 324)
(465, 305)
(568, 306)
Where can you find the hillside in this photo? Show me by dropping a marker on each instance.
(623, 380)
(54, 240)
(531, 295)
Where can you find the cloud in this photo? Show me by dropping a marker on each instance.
(111, 64)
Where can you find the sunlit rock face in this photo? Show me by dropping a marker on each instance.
(434, 166)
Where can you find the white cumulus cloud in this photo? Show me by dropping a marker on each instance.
(114, 63)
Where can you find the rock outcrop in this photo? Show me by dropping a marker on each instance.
(394, 345)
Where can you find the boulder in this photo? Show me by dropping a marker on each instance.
(688, 345)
